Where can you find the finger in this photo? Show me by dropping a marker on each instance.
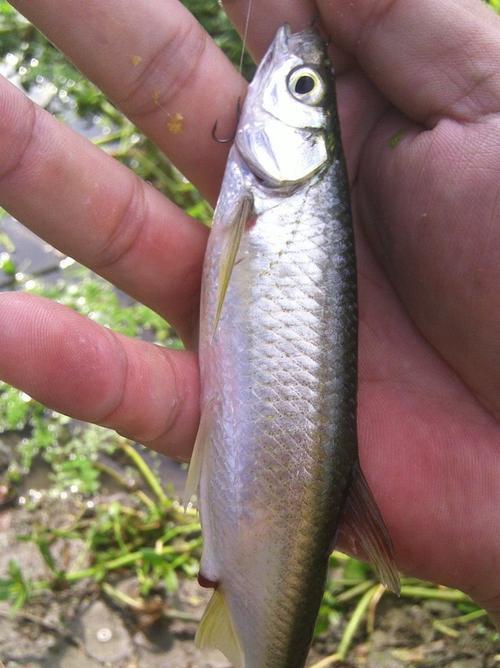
(94, 209)
(76, 367)
(153, 59)
(360, 107)
(432, 59)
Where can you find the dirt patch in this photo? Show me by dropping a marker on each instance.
(80, 627)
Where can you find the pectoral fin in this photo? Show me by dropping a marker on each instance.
(199, 451)
(365, 522)
(236, 226)
(216, 631)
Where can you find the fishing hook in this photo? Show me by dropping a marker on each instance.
(227, 140)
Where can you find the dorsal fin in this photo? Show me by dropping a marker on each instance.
(216, 631)
(365, 522)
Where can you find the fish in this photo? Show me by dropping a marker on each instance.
(275, 467)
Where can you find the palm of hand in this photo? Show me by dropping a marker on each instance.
(429, 440)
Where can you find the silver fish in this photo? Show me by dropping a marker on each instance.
(275, 461)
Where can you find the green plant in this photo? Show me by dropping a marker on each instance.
(353, 595)
(147, 535)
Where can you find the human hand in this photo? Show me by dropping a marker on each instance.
(428, 416)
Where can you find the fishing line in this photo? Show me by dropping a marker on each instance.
(245, 34)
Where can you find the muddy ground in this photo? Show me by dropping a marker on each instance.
(80, 628)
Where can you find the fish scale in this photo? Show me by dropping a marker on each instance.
(277, 450)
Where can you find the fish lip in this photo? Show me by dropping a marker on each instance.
(283, 34)
(286, 43)
(280, 44)
(278, 49)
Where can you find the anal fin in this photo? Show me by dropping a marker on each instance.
(216, 631)
(365, 523)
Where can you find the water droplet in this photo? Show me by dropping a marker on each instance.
(34, 62)
(104, 634)
(11, 59)
(66, 262)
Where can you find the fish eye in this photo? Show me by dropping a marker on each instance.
(306, 85)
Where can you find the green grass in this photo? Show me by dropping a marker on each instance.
(148, 535)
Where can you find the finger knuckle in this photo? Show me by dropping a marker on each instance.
(18, 129)
(166, 71)
(124, 230)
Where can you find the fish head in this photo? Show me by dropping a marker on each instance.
(284, 134)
